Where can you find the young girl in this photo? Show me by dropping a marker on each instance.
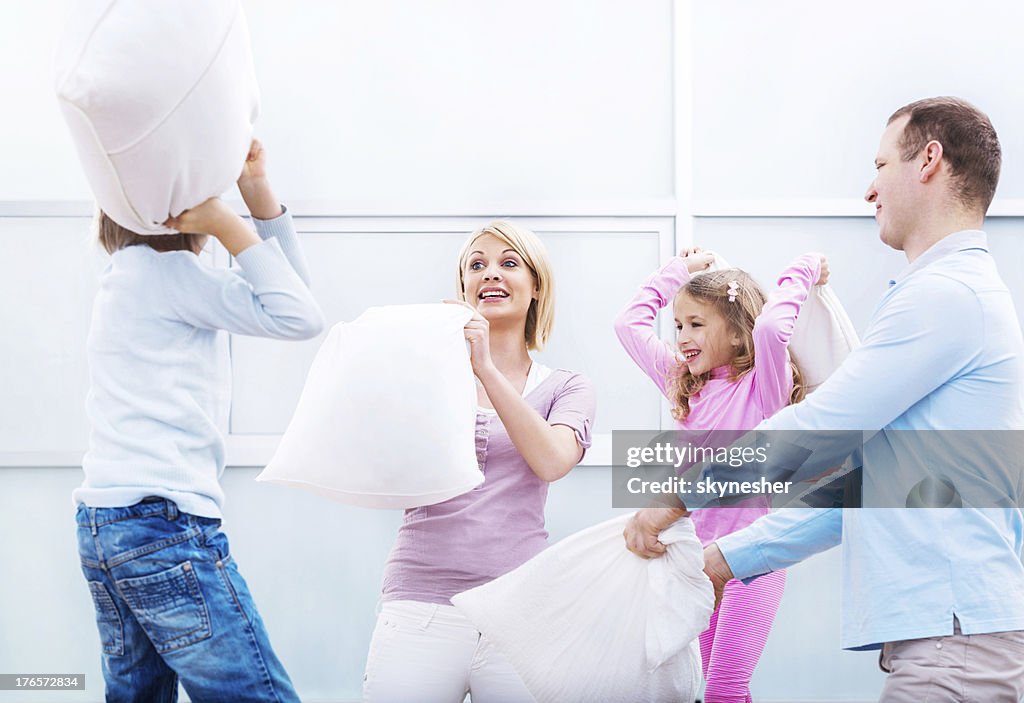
(533, 425)
(729, 371)
(170, 602)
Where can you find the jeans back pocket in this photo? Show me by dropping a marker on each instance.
(108, 619)
(169, 606)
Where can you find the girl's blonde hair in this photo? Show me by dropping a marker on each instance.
(712, 288)
(114, 237)
(527, 245)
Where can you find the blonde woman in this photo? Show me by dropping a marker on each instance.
(533, 425)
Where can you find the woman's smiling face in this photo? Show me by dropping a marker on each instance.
(496, 280)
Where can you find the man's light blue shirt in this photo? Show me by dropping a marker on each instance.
(943, 351)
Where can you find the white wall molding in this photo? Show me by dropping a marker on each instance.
(58, 459)
(683, 207)
(820, 207)
(384, 207)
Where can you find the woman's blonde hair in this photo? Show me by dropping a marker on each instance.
(114, 237)
(527, 245)
(712, 288)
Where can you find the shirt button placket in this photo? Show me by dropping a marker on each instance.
(483, 425)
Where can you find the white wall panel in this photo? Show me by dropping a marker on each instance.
(791, 97)
(47, 280)
(464, 100)
(1006, 242)
(38, 157)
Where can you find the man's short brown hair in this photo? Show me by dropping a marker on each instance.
(969, 145)
(114, 237)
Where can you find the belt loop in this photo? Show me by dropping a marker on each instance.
(92, 521)
(172, 509)
(434, 607)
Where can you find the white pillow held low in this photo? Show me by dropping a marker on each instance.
(587, 620)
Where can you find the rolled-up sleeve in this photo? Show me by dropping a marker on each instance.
(574, 406)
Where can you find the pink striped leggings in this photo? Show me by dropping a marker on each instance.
(732, 644)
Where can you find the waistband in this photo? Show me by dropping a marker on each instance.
(147, 507)
(425, 614)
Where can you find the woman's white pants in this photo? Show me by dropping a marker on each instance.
(430, 653)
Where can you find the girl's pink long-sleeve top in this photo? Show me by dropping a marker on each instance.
(721, 404)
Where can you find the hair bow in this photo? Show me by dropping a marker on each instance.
(734, 290)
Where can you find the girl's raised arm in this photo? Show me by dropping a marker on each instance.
(635, 325)
(774, 328)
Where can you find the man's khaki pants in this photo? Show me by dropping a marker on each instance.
(985, 668)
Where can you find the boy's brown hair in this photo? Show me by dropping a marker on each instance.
(113, 237)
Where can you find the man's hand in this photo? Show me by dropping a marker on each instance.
(642, 530)
(717, 569)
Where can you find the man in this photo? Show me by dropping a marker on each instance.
(941, 592)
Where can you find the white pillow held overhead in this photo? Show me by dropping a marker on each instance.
(823, 335)
(160, 98)
(387, 418)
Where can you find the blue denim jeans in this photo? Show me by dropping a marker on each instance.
(170, 605)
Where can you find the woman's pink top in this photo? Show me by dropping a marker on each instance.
(721, 404)
(473, 538)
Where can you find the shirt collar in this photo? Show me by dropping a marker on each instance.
(721, 371)
(950, 244)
